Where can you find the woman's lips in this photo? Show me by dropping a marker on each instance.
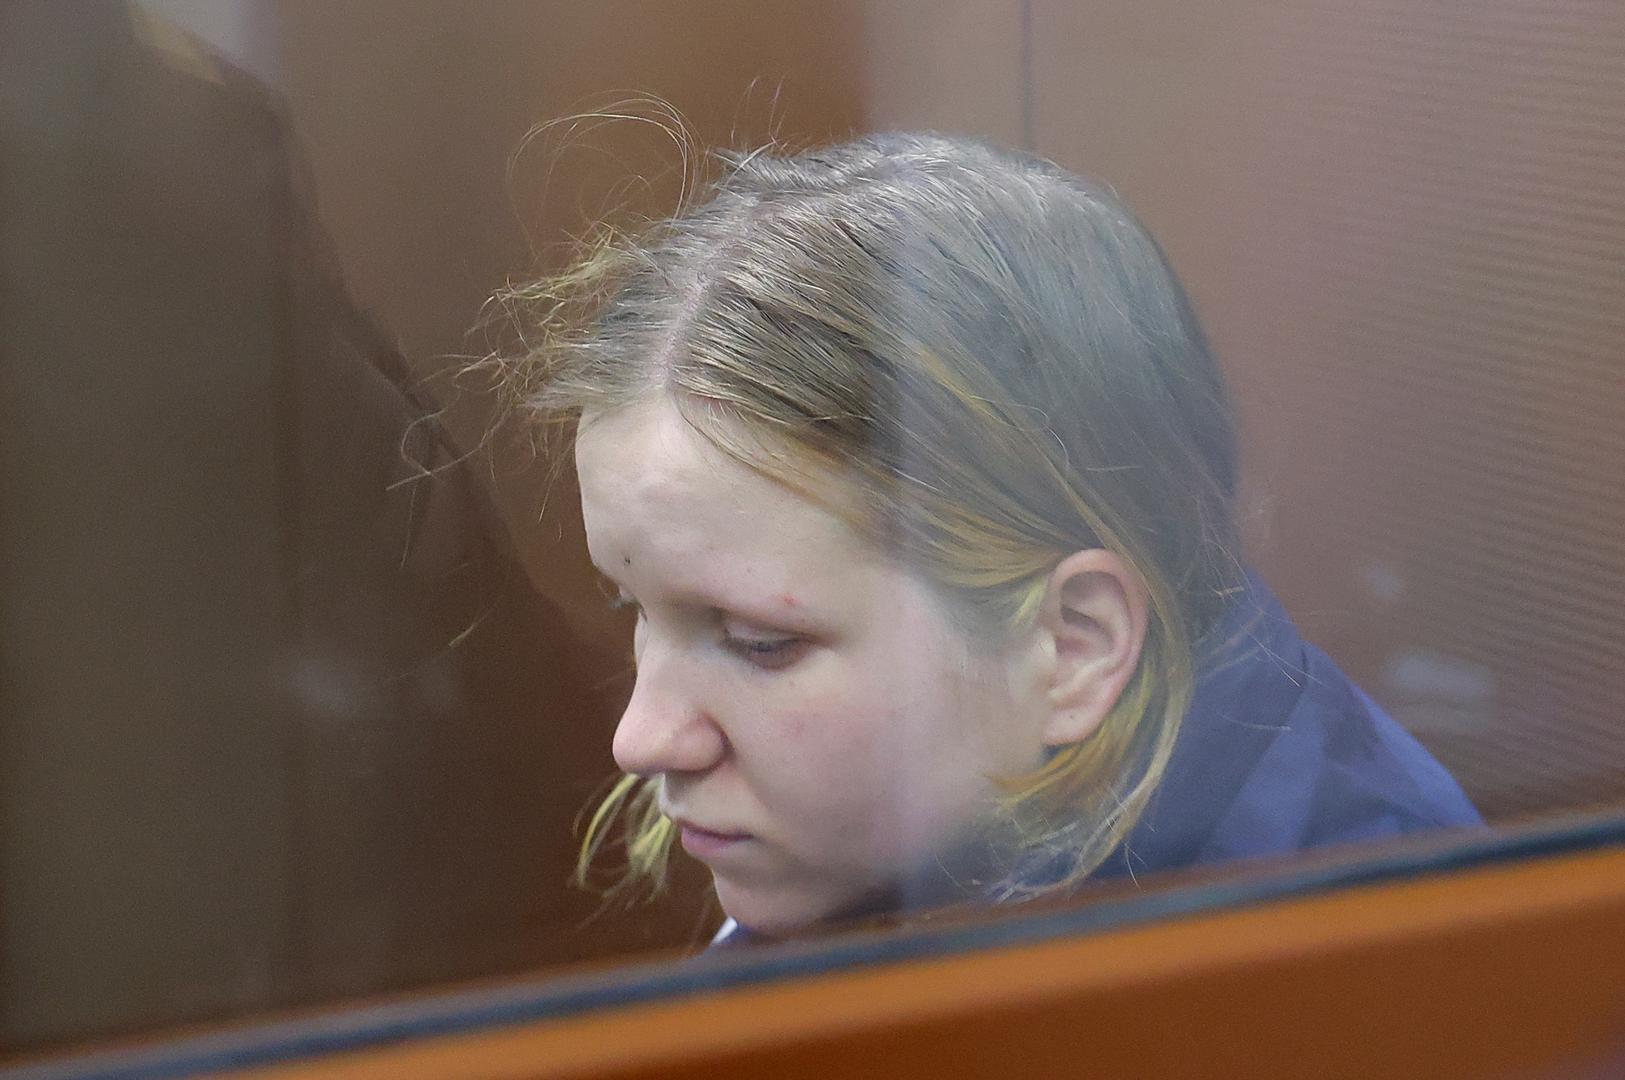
(705, 844)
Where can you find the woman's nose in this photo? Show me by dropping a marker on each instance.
(663, 730)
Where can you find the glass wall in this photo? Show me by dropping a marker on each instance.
(309, 686)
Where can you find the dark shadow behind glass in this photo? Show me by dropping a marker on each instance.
(283, 718)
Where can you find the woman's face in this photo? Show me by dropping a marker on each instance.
(820, 728)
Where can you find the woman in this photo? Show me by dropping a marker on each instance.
(918, 469)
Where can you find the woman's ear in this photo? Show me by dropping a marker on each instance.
(1094, 616)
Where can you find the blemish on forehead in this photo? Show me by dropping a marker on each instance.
(626, 560)
(787, 600)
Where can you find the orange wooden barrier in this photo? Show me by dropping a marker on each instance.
(1502, 972)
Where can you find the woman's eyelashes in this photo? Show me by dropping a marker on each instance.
(771, 653)
(765, 649)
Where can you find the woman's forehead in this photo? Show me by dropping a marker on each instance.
(653, 487)
(648, 454)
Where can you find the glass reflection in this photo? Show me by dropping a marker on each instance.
(906, 458)
(284, 719)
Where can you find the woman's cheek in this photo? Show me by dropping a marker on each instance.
(836, 766)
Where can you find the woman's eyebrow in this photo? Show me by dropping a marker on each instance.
(779, 608)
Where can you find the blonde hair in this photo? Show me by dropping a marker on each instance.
(995, 360)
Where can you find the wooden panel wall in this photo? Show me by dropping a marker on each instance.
(1403, 224)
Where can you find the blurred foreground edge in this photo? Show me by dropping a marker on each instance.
(1499, 956)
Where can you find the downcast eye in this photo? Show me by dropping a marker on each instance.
(767, 653)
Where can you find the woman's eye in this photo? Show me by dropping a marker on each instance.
(771, 654)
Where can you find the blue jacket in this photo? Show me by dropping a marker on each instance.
(1280, 752)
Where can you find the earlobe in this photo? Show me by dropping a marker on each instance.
(1095, 614)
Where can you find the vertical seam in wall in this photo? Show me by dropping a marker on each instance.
(1028, 142)
(292, 972)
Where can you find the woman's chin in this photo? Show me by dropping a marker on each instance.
(774, 912)
(782, 912)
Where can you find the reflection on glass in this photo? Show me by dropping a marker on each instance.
(906, 457)
(281, 716)
(921, 476)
